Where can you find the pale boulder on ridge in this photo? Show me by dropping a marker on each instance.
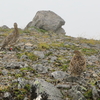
(48, 21)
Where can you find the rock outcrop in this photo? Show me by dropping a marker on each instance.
(47, 20)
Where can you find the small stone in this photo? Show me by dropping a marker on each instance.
(4, 72)
(28, 44)
(98, 83)
(40, 54)
(40, 68)
(53, 59)
(7, 95)
(95, 93)
(59, 75)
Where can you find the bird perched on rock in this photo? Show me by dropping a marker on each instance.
(77, 64)
(12, 38)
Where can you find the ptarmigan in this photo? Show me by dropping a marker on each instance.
(11, 38)
(77, 64)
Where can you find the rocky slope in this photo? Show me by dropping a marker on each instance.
(41, 59)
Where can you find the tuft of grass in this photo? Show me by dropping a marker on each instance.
(3, 30)
(64, 67)
(26, 31)
(40, 30)
(89, 52)
(27, 87)
(73, 47)
(43, 46)
(88, 94)
(27, 69)
(90, 66)
(30, 55)
(18, 75)
(89, 41)
(4, 88)
(49, 53)
(20, 93)
(56, 45)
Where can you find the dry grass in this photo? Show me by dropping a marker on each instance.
(89, 41)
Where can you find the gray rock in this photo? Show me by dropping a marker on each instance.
(60, 31)
(4, 72)
(26, 98)
(54, 58)
(7, 95)
(67, 98)
(93, 58)
(47, 20)
(21, 82)
(40, 68)
(98, 46)
(5, 27)
(95, 94)
(50, 89)
(98, 83)
(75, 94)
(24, 57)
(40, 54)
(85, 45)
(58, 75)
(98, 91)
(29, 48)
(15, 65)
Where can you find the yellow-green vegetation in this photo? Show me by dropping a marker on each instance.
(30, 55)
(49, 53)
(0, 72)
(4, 88)
(27, 69)
(43, 46)
(54, 81)
(19, 75)
(3, 30)
(89, 52)
(21, 31)
(88, 95)
(57, 44)
(62, 63)
(27, 87)
(20, 93)
(7, 32)
(90, 66)
(4, 34)
(50, 45)
(40, 30)
(73, 47)
(26, 31)
(89, 41)
(64, 67)
(92, 81)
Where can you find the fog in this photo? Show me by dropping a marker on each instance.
(82, 17)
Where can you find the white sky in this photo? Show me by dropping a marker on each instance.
(82, 17)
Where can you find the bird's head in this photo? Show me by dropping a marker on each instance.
(15, 25)
(77, 52)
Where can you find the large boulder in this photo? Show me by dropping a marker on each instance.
(48, 21)
(48, 88)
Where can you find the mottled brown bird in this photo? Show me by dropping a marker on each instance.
(12, 38)
(77, 64)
